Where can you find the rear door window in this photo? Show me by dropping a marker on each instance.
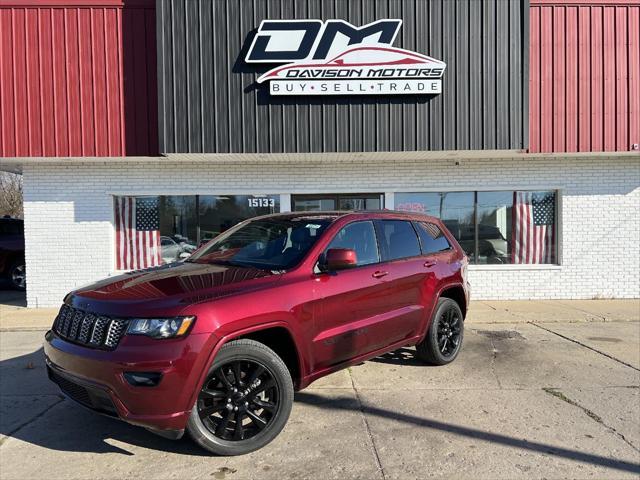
(397, 240)
(432, 240)
(361, 237)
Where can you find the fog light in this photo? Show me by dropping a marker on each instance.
(143, 379)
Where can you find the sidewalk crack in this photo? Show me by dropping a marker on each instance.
(585, 346)
(374, 449)
(593, 416)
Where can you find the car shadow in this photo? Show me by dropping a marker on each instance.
(402, 356)
(28, 397)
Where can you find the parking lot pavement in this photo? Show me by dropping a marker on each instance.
(522, 401)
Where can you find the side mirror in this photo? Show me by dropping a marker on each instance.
(340, 259)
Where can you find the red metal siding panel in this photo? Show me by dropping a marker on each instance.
(7, 131)
(572, 79)
(45, 48)
(60, 73)
(584, 75)
(634, 74)
(559, 81)
(595, 130)
(586, 79)
(622, 78)
(22, 127)
(534, 81)
(66, 88)
(546, 77)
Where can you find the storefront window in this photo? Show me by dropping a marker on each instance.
(337, 201)
(494, 227)
(218, 213)
(153, 230)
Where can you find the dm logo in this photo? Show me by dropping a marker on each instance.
(337, 58)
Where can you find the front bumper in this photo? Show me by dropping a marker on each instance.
(95, 378)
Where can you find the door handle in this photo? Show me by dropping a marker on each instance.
(430, 263)
(379, 274)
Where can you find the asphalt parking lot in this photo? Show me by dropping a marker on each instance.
(523, 400)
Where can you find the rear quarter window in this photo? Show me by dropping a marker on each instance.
(432, 240)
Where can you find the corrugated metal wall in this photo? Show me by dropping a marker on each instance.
(209, 101)
(584, 76)
(77, 81)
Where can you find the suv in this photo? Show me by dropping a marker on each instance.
(12, 264)
(218, 343)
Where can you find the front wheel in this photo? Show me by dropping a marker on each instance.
(442, 343)
(245, 400)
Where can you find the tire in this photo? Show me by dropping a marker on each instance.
(269, 397)
(447, 325)
(18, 275)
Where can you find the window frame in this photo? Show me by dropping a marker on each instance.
(558, 221)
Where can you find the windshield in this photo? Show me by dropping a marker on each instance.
(277, 243)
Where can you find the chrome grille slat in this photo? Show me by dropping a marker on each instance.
(88, 329)
(116, 329)
(85, 328)
(99, 328)
(75, 324)
(66, 322)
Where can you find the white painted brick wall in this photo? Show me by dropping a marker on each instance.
(69, 213)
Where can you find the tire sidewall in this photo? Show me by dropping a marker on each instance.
(279, 373)
(444, 304)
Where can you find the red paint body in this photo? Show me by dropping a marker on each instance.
(78, 78)
(334, 319)
(584, 76)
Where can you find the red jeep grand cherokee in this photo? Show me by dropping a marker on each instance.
(218, 343)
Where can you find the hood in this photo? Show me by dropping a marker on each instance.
(169, 287)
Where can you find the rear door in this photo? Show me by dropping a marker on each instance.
(405, 275)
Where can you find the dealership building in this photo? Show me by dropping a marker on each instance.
(143, 129)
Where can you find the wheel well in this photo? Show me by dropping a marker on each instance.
(280, 341)
(457, 295)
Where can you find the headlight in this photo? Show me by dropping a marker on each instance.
(160, 327)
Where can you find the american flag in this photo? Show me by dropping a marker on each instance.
(533, 227)
(137, 233)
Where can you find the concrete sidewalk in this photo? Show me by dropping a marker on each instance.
(16, 318)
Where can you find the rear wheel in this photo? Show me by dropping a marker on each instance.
(18, 275)
(442, 343)
(245, 400)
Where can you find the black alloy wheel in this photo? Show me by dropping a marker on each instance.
(443, 341)
(449, 331)
(238, 400)
(245, 400)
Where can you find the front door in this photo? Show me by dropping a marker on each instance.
(337, 201)
(351, 316)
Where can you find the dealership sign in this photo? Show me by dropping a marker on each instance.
(337, 58)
